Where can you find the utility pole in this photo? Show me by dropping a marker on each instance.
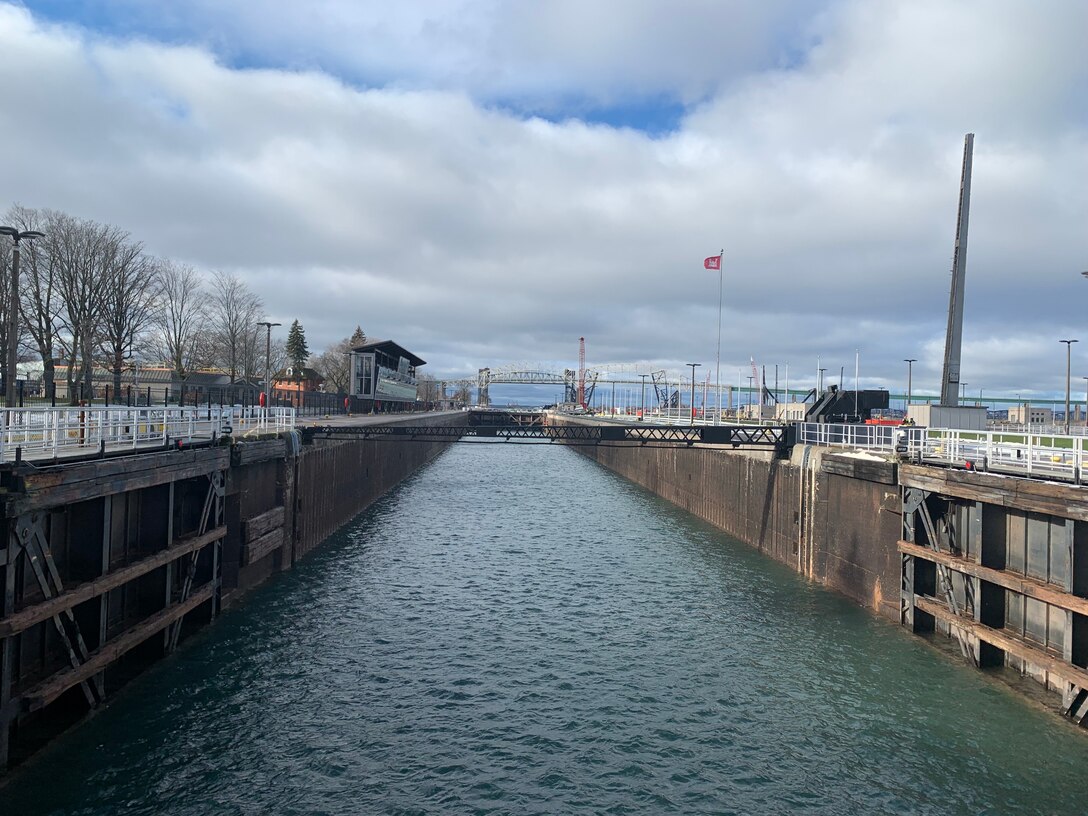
(910, 361)
(1068, 359)
(13, 309)
(267, 358)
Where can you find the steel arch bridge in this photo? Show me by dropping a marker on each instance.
(665, 384)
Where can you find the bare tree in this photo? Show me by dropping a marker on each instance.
(278, 357)
(334, 364)
(181, 317)
(252, 366)
(84, 251)
(130, 292)
(233, 313)
(427, 388)
(39, 294)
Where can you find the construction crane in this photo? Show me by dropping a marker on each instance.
(665, 399)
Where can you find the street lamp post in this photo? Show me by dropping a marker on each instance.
(642, 408)
(691, 420)
(963, 391)
(267, 360)
(13, 314)
(910, 361)
(1068, 359)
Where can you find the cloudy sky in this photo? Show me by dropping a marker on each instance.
(487, 180)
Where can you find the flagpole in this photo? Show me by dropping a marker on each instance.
(718, 361)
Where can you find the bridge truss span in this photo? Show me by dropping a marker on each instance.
(735, 436)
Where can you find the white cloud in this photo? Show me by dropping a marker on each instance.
(536, 54)
(476, 236)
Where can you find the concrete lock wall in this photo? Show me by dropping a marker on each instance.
(145, 549)
(282, 504)
(834, 518)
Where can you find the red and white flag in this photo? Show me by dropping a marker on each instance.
(713, 262)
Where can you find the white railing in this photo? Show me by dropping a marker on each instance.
(1039, 429)
(51, 432)
(1042, 456)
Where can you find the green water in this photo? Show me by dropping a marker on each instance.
(515, 630)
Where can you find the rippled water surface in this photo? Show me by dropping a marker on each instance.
(515, 630)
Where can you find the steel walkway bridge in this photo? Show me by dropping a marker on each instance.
(737, 436)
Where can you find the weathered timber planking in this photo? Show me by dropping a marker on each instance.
(251, 452)
(1051, 498)
(47, 691)
(257, 526)
(41, 493)
(254, 551)
(26, 618)
(62, 473)
(1014, 646)
(1030, 587)
(868, 470)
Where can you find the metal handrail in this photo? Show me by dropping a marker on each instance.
(1037, 455)
(51, 432)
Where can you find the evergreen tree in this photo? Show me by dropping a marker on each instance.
(358, 338)
(297, 351)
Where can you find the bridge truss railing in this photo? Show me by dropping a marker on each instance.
(54, 432)
(1040, 456)
(757, 436)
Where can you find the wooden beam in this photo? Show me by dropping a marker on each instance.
(1035, 495)
(248, 452)
(49, 690)
(855, 467)
(1012, 645)
(258, 526)
(1030, 587)
(254, 551)
(26, 618)
(66, 484)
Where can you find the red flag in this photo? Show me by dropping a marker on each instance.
(713, 262)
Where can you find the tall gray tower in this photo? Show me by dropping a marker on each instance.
(950, 381)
